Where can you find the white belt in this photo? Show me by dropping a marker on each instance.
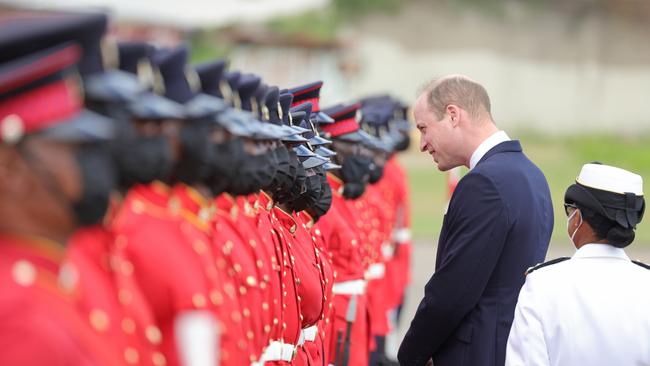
(354, 287)
(387, 250)
(307, 334)
(277, 351)
(402, 236)
(375, 271)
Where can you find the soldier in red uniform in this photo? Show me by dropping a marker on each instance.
(386, 119)
(245, 210)
(109, 296)
(164, 227)
(343, 240)
(390, 120)
(54, 177)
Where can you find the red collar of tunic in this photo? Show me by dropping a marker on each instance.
(37, 261)
(196, 209)
(247, 204)
(226, 206)
(306, 219)
(154, 199)
(265, 201)
(286, 219)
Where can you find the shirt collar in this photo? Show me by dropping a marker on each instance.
(485, 146)
(600, 251)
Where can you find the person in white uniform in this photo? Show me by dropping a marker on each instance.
(593, 308)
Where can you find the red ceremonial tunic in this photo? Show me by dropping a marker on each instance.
(343, 243)
(166, 266)
(105, 278)
(399, 268)
(39, 323)
(198, 223)
(324, 262)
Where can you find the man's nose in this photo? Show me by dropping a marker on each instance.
(423, 143)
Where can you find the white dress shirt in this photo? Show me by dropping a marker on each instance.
(485, 146)
(593, 309)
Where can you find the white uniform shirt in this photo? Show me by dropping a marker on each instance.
(591, 310)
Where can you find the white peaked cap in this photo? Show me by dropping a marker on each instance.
(611, 179)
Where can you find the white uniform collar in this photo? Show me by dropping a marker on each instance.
(485, 146)
(599, 251)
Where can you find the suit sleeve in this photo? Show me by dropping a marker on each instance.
(526, 343)
(474, 233)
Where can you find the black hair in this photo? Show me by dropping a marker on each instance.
(607, 229)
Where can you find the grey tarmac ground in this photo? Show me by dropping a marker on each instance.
(423, 261)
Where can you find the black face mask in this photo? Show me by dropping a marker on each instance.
(355, 173)
(403, 143)
(142, 160)
(268, 169)
(310, 196)
(294, 163)
(375, 174)
(324, 202)
(298, 186)
(252, 173)
(228, 157)
(98, 177)
(283, 178)
(356, 169)
(196, 153)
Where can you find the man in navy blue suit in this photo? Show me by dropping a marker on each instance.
(498, 224)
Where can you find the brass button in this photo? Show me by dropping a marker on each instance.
(24, 273)
(99, 320)
(198, 300)
(158, 359)
(12, 128)
(137, 206)
(128, 326)
(216, 297)
(250, 281)
(131, 356)
(125, 297)
(153, 334)
(126, 268)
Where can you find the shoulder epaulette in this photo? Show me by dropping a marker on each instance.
(638, 263)
(547, 263)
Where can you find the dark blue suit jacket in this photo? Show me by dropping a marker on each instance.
(499, 223)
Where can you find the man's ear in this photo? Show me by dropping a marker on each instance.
(454, 113)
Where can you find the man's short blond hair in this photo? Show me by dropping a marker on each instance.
(461, 91)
